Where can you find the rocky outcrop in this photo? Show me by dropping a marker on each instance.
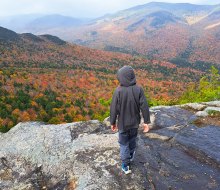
(203, 109)
(178, 153)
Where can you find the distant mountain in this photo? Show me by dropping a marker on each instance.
(39, 24)
(179, 9)
(155, 30)
(157, 20)
(18, 22)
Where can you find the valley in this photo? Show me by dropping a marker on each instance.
(45, 78)
(154, 30)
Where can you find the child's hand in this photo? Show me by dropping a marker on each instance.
(114, 128)
(146, 128)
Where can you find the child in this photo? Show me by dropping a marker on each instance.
(127, 101)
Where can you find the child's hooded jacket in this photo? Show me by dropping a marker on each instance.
(127, 101)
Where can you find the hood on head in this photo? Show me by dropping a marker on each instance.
(126, 76)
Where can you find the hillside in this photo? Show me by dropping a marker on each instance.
(46, 79)
(155, 30)
(30, 49)
(178, 153)
(46, 51)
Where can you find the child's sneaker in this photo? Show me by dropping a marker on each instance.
(132, 157)
(126, 168)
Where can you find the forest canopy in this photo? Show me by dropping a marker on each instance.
(59, 96)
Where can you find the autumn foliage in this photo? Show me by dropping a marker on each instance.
(58, 83)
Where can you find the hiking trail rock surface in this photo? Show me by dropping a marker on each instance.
(178, 153)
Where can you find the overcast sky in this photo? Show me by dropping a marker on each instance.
(77, 8)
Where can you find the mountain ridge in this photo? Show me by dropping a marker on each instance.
(141, 31)
(152, 30)
(6, 34)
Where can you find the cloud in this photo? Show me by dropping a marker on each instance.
(82, 8)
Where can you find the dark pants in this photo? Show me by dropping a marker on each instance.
(127, 141)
